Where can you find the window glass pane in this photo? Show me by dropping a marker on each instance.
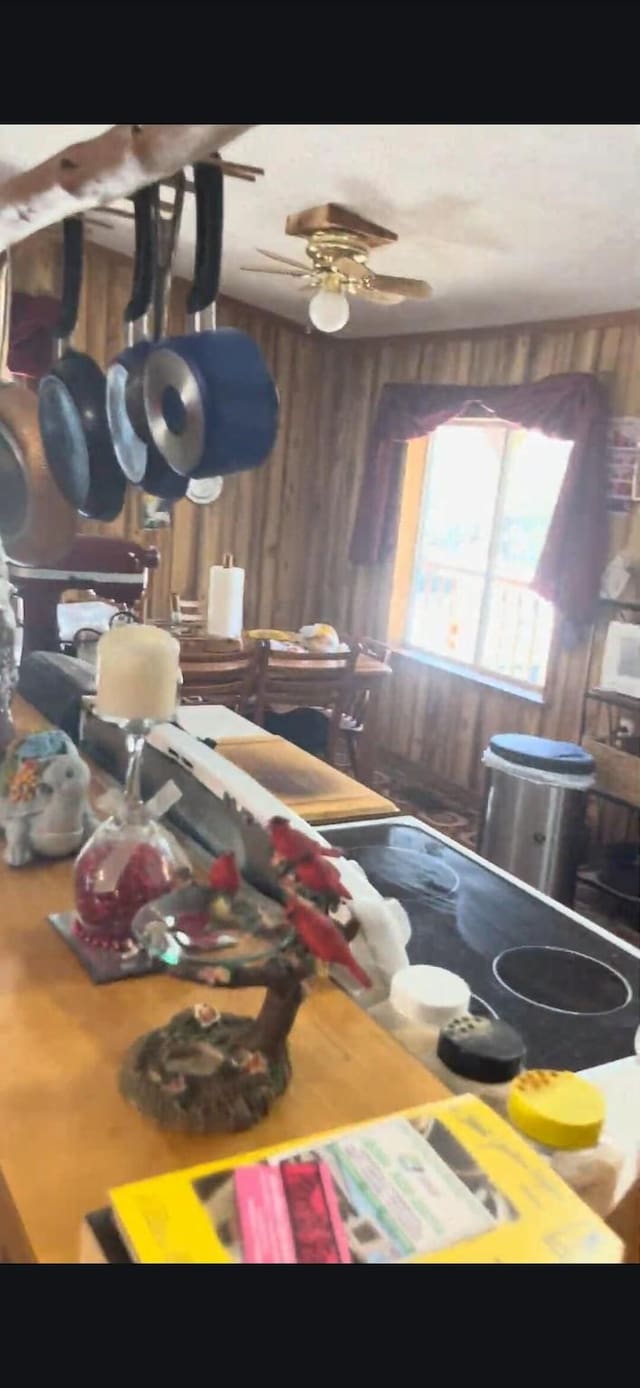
(518, 633)
(485, 515)
(463, 468)
(445, 613)
(535, 470)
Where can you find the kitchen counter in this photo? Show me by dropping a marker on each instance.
(66, 1135)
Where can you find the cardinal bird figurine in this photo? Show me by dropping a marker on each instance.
(225, 880)
(224, 875)
(322, 938)
(292, 845)
(321, 878)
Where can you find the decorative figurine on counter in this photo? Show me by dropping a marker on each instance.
(209, 1071)
(44, 806)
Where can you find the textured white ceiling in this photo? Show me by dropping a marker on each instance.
(506, 222)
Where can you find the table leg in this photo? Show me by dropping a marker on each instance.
(369, 738)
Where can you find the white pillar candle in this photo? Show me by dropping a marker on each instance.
(138, 671)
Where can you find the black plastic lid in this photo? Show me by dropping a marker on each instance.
(542, 753)
(481, 1048)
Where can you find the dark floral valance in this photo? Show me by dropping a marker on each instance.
(571, 406)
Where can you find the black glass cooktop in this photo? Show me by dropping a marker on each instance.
(572, 994)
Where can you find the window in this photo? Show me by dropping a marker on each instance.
(488, 495)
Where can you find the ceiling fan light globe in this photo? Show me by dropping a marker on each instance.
(329, 310)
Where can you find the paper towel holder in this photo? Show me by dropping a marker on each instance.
(227, 561)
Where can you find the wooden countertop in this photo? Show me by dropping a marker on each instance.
(320, 793)
(66, 1136)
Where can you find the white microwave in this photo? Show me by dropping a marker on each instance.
(621, 659)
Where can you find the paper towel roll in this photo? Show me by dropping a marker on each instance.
(226, 593)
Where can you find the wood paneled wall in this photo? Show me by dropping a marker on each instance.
(440, 721)
(289, 523)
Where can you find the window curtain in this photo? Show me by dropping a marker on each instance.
(570, 406)
(33, 319)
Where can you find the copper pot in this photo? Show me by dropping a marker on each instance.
(37, 525)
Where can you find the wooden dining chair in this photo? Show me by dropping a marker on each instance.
(352, 721)
(214, 676)
(186, 612)
(298, 681)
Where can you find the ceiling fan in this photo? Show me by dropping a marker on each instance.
(338, 243)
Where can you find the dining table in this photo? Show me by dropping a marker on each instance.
(369, 675)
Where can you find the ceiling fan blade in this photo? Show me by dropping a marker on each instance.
(284, 259)
(395, 284)
(262, 270)
(376, 296)
(353, 269)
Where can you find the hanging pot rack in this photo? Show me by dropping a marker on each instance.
(247, 172)
(95, 173)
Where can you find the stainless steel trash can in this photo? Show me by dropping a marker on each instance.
(533, 823)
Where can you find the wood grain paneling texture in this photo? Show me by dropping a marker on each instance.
(289, 523)
(427, 716)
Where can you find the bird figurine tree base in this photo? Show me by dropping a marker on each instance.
(208, 1071)
(211, 1072)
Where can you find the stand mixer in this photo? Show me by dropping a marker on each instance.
(116, 570)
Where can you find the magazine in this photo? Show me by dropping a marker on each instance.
(449, 1181)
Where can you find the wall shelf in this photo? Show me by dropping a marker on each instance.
(617, 771)
(611, 696)
(590, 877)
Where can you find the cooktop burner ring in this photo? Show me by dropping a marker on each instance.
(594, 973)
(426, 878)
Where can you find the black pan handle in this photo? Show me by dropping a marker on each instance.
(208, 184)
(145, 210)
(72, 253)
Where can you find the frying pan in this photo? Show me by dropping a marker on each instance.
(36, 523)
(155, 244)
(130, 449)
(72, 407)
(211, 404)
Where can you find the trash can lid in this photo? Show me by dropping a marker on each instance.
(542, 753)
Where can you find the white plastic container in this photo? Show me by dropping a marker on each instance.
(562, 1115)
(481, 1056)
(422, 999)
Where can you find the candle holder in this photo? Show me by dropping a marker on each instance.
(129, 860)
